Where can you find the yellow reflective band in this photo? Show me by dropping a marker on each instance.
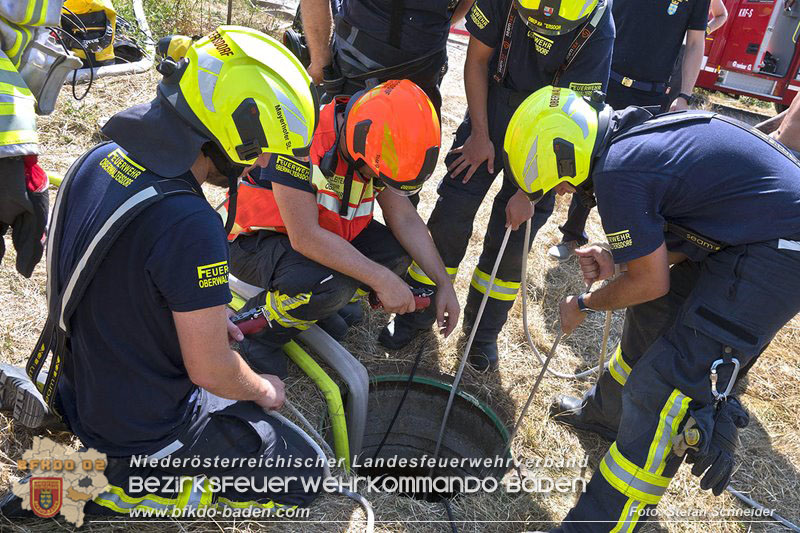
(620, 370)
(278, 306)
(20, 43)
(419, 276)
(631, 480)
(671, 415)
(114, 498)
(629, 516)
(500, 290)
(252, 503)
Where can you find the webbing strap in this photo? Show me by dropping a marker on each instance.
(505, 47)
(63, 302)
(685, 117)
(577, 43)
(580, 40)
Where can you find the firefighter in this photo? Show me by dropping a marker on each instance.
(23, 184)
(389, 39)
(306, 234)
(138, 286)
(514, 49)
(690, 329)
(649, 38)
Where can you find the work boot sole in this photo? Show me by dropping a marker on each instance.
(26, 403)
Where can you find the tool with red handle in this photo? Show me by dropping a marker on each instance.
(251, 321)
(422, 298)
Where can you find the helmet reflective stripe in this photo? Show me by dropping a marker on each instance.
(295, 120)
(576, 114)
(531, 171)
(587, 7)
(207, 75)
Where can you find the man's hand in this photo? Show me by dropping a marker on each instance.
(596, 263)
(679, 104)
(477, 149)
(276, 393)
(571, 316)
(518, 209)
(234, 333)
(395, 294)
(447, 309)
(316, 71)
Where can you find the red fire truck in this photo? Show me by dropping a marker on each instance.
(755, 53)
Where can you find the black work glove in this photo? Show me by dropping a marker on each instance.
(716, 456)
(24, 203)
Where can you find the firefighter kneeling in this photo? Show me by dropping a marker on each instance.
(717, 201)
(305, 231)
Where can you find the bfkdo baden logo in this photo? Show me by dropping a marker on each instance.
(46, 496)
(62, 480)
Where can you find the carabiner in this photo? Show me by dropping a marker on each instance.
(731, 381)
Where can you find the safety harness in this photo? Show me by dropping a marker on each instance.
(578, 42)
(64, 295)
(681, 118)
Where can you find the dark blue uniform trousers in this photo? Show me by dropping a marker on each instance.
(733, 303)
(452, 220)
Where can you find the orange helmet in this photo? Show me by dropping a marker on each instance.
(393, 130)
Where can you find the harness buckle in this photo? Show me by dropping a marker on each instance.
(718, 396)
(626, 81)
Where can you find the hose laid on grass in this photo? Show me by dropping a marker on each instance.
(358, 498)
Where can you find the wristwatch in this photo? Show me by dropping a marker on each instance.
(688, 97)
(582, 307)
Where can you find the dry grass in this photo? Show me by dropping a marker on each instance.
(769, 458)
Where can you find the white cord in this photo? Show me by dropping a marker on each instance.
(579, 375)
(358, 498)
(463, 362)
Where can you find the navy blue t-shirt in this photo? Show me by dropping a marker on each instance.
(125, 389)
(535, 58)
(713, 178)
(425, 27)
(650, 34)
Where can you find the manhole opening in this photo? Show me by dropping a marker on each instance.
(475, 434)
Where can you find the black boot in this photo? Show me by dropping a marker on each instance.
(335, 326)
(352, 313)
(483, 356)
(398, 333)
(264, 358)
(571, 411)
(11, 504)
(19, 395)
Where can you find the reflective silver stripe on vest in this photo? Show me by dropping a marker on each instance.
(17, 123)
(144, 502)
(784, 244)
(132, 202)
(332, 204)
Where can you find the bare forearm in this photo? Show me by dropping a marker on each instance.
(318, 25)
(716, 23)
(690, 68)
(414, 237)
(476, 86)
(623, 291)
(234, 380)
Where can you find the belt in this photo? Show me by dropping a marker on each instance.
(646, 86)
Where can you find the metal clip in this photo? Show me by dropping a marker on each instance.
(731, 381)
(626, 81)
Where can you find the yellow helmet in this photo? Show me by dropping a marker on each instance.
(555, 17)
(552, 137)
(246, 92)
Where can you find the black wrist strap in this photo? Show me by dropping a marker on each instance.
(582, 305)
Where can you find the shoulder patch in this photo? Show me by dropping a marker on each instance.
(620, 239)
(477, 16)
(293, 168)
(212, 274)
(121, 167)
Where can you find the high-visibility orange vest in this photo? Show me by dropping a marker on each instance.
(256, 208)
